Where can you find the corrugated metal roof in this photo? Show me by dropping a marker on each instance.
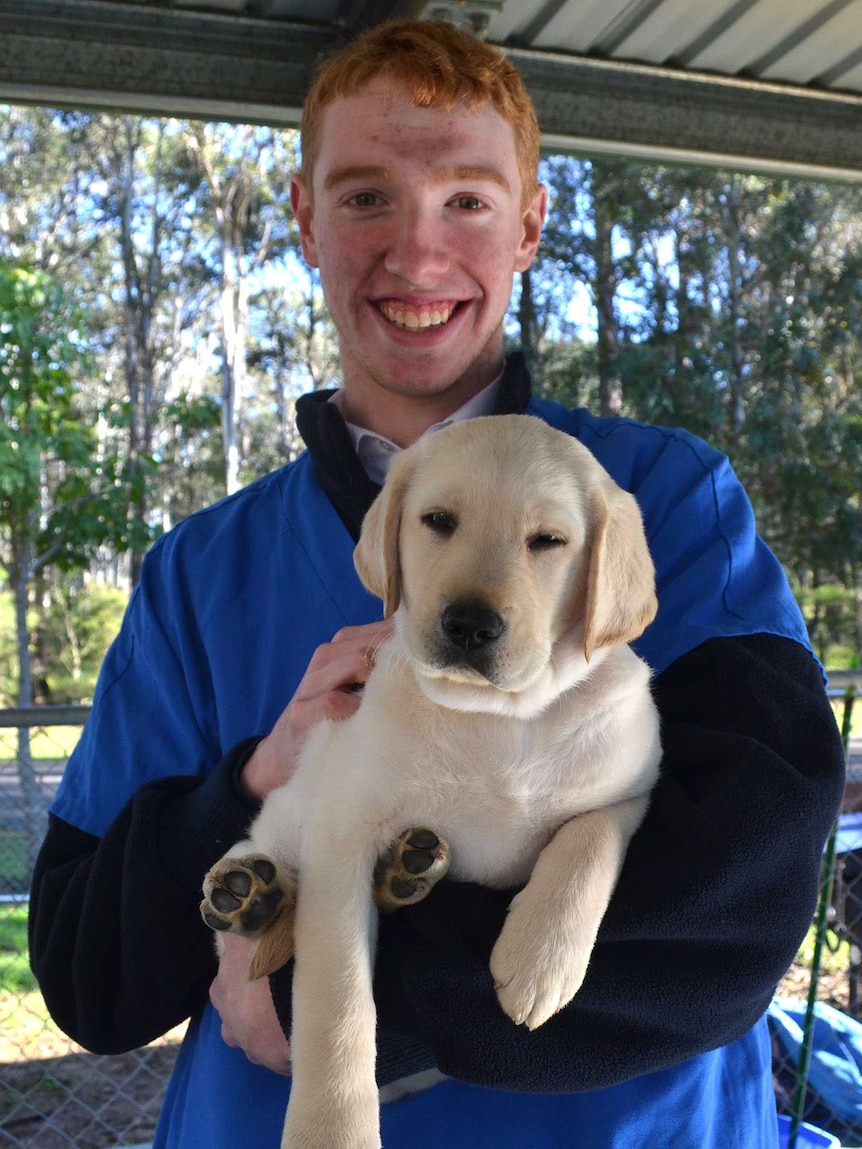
(772, 84)
(815, 42)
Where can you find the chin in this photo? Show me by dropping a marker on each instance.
(523, 697)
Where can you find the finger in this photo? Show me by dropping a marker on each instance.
(335, 666)
(339, 705)
(366, 632)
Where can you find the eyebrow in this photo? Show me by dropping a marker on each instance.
(470, 173)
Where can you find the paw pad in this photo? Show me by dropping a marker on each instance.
(241, 895)
(411, 867)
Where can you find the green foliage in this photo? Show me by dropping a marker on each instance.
(191, 465)
(15, 974)
(730, 305)
(76, 627)
(61, 497)
(830, 612)
(73, 627)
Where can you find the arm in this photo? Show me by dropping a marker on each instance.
(716, 893)
(116, 938)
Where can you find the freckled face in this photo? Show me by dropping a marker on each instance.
(417, 227)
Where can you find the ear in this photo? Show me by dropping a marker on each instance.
(621, 599)
(376, 555)
(300, 201)
(532, 221)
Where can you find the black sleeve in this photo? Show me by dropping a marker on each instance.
(117, 943)
(717, 891)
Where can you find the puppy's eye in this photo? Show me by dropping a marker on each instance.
(440, 521)
(545, 541)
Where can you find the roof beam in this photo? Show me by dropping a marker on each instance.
(167, 61)
(663, 114)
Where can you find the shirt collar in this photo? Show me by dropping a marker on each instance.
(375, 452)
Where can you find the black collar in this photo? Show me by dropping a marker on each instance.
(339, 471)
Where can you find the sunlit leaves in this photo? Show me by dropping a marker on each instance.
(61, 493)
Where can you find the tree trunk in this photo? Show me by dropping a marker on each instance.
(733, 231)
(33, 814)
(528, 322)
(231, 380)
(610, 383)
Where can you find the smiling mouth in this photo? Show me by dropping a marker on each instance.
(412, 318)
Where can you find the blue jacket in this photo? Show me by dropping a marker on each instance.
(658, 1048)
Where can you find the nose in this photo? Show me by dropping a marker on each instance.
(418, 253)
(471, 625)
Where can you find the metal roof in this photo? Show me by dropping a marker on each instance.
(771, 85)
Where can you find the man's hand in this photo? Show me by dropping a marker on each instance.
(248, 1018)
(327, 690)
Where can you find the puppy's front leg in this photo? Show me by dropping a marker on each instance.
(333, 1102)
(541, 956)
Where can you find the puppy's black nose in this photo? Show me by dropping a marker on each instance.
(470, 626)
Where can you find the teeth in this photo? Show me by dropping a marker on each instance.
(413, 320)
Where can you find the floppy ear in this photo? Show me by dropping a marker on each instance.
(621, 599)
(376, 555)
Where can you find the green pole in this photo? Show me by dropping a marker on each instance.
(819, 937)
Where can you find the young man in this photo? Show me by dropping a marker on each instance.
(418, 201)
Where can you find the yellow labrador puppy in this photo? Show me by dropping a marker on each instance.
(507, 713)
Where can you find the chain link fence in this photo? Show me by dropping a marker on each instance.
(816, 1019)
(53, 1094)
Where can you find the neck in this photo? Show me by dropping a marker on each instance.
(401, 420)
(404, 414)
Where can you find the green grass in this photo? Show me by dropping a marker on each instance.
(51, 742)
(15, 975)
(833, 958)
(14, 869)
(838, 705)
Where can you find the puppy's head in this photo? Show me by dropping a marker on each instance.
(497, 541)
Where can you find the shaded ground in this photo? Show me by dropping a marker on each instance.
(54, 1095)
(84, 1101)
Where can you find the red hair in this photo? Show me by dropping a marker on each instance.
(439, 65)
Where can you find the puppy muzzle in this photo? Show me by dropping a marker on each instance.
(470, 636)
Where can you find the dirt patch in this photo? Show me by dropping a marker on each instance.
(84, 1101)
(832, 986)
(53, 1094)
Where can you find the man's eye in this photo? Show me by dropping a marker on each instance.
(363, 199)
(441, 522)
(469, 202)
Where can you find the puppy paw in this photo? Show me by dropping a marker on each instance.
(243, 895)
(409, 869)
(536, 970)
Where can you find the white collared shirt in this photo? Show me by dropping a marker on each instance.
(375, 452)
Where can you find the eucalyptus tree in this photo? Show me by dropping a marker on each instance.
(143, 194)
(245, 215)
(42, 211)
(588, 241)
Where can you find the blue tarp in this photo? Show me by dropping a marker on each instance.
(849, 835)
(835, 1076)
